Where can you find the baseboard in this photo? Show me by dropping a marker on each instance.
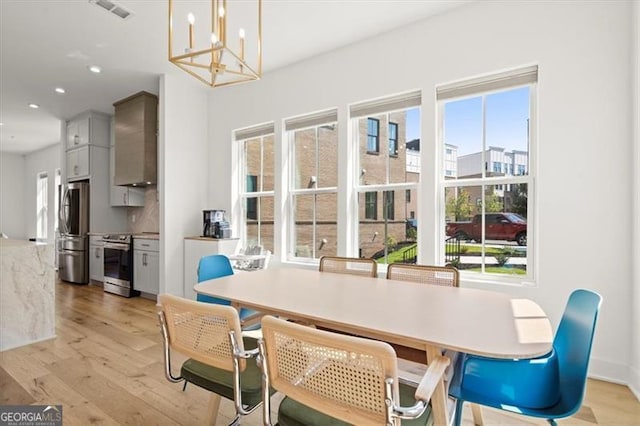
(634, 382)
(609, 371)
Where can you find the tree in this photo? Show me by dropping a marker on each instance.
(519, 199)
(493, 203)
(459, 207)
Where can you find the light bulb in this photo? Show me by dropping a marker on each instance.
(221, 11)
(214, 38)
(241, 33)
(191, 18)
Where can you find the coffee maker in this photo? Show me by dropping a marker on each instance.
(214, 225)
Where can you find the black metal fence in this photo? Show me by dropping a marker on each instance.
(452, 251)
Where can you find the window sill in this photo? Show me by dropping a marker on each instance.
(484, 281)
(373, 152)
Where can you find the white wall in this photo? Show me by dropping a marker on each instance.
(12, 196)
(584, 129)
(44, 160)
(635, 302)
(183, 172)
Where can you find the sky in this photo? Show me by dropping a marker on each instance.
(507, 114)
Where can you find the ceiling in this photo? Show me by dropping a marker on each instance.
(50, 43)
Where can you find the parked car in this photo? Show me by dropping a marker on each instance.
(498, 226)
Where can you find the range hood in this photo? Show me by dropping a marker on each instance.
(136, 124)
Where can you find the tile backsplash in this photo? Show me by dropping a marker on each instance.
(147, 218)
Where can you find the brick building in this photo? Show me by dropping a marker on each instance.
(382, 160)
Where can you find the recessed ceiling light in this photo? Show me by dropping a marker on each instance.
(60, 90)
(95, 69)
(1, 124)
(34, 106)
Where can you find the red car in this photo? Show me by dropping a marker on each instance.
(498, 226)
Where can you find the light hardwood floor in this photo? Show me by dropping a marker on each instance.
(105, 367)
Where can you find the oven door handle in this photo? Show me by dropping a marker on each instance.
(123, 247)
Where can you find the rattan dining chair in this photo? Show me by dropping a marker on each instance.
(349, 265)
(423, 274)
(219, 362)
(330, 378)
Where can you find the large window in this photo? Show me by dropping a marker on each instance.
(388, 233)
(313, 189)
(487, 225)
(41, 206)
(257, 186)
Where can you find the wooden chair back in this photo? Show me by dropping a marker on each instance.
(341, 376)
(423, 274)
(201, 330)
(349, 265)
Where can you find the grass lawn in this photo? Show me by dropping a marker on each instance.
(500, 270)
(489, 251)
(395, 256)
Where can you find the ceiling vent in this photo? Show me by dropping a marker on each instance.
(110, 6)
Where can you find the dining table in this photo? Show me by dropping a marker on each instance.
(425, 317)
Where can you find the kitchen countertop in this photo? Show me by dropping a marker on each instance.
(209, 238)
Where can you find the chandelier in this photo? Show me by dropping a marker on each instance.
(213, 53)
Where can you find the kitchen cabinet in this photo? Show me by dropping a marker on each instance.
(146, 265)
(96, 260)
(78, 164)
(197, 247)
(78, 132)
(123, 195)
(88, 128)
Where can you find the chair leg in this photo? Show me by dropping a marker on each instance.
(552, 422)
(212, 410)
(476, 410)
(458, 416)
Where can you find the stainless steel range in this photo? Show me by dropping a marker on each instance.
(118, 265)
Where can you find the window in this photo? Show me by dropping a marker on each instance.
(489, 121)
(313, 189)
(373, 135)
(371, 205)
(252, 202)
(393, 139)
(392, 176)
(257, 185)
(41, 205)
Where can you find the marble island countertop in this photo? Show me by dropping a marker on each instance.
(27, 292)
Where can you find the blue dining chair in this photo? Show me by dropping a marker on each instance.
(551, 386)
(218, 266)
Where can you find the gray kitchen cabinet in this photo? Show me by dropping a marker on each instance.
(78, 163)
(146, 265)
(96, 260)
(89, 128)
(77, 132)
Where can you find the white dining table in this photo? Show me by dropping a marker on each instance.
(424, 317)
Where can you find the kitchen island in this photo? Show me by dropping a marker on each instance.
(27, 293)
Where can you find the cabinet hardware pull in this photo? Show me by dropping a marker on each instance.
(144, 259)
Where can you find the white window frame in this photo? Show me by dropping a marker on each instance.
(291, 126)
(371, 109)
(483, 87)
(42, 202)
(241, 136)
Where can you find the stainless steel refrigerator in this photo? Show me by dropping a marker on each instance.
(73, 243)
